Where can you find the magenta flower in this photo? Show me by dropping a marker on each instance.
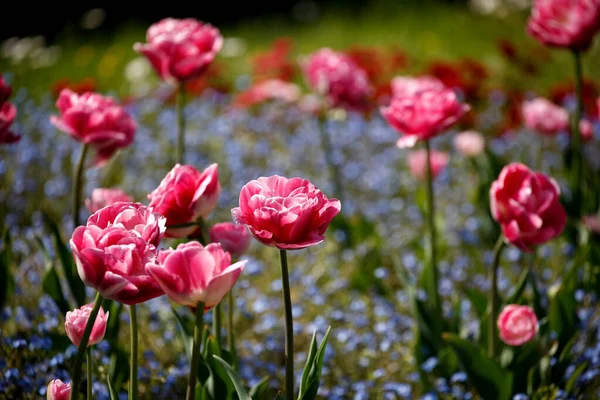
(180, 49)
(527, 206)
(57, 390)
(517, 324)
(8, 112)
(102, 197)
(193, 273)
(285, 213)
(335, 76)
(94, 120)
(76, 320)
(234, 238)
(565, 23)
(112, 250)
(545, 117)
(185, 195)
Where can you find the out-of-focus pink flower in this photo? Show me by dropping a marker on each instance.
(423, 114)
(94, 120)
(586, 129)
(592, 223)
(311, 103)
(469, 143)
(8, 112)
(335, 76)
(111, 251)
(180, 49)
(565, 23)
(102, 197)
(57, 390)
(76, 320)
(517, 324)
(234, 238)
(417, 163)
(193, 273)
(272, 89)
(543, 116)
(185, 195)
(5, 90)
(527, 206)
(285, 213)
(409, 86)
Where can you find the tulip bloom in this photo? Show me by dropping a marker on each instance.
(193, 273)
(8, 112)
(565, 23)
(545, 117)
(527, 206)
(96, 121)
(272, 89)
(184, 196)
(469, 143)
(57, 390)
(335, 76)
(417, 163)
(409, 86)
(285, 213)
(76, 320)
(102, 197)
(112, 250)
(517, 324)
(234, 238)
(180, 49)
(423, 114)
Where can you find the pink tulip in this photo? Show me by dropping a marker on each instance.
(527, 206)
(8, 112)
(285, 213)
(543, 116)
(565, 23)
(335, 76)
(193, 273)
(184, 196)
(517, 324)
(417, 163)
(409, 86)
(57, 390)
(272, 89)
(423, 114)
(234, 238)
(94, 120)
(111, 251)
(592, 223)
(180, 49)
(5, 90)
(102, 197)
(586, 130)
(469, 143)
(76, 320)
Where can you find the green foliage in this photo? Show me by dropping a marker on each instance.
(311, 376)
(7, 282)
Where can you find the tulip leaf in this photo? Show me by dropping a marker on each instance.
(562, 315)
(51, 285)
(312, 353)
(489, 378)
(111, 390)
(187, 332)
(219, 385)
(515, 297)
(7, 282)
(477, 299)
(571, 383)
(259, 388)
(314, 376)
(234, 378)
(119, 366)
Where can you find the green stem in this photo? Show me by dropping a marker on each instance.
(289, 328)
(493, 300)
(216, 321)
(78, 184)
(577, 159)
(431, 248)
(191, 389)
(89, 373)
(230, 335)
(83, 345)
(333, 169)
(133, 378)
(181, 124)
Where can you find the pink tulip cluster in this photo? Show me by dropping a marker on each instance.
(180, 49)
(527, 206)
(94, 120)
(335, 76)
(8, 112)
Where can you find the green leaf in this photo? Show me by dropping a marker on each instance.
(111, 390)
(562, 315)
(314, 376)
(520, 288)
(312, 352)
(119, 366)
(570, 385)
(478, 300)
(235, 379)
(187, 332)
(259, 388)
(51, 285)
(219, 385)
(489, 378)
(7, 282)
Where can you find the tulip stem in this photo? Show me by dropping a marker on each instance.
(181, 123)
(191, 389)
(433, 283)
(493, 300)
(133, 379)
(230, 336)
(576, 135)
(216, 321)
(289, 328)
(77, 184)
(83, 345)
(89, 373)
